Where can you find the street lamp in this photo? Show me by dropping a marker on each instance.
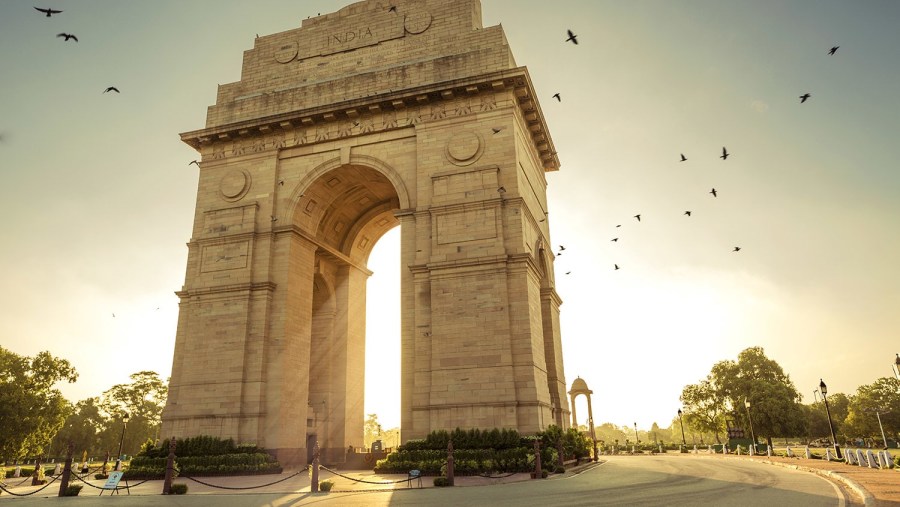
(681, 421)
(121, 441)
(752, 435)
(816, 395)
(897, 366)
(636, 439)
(824, 390)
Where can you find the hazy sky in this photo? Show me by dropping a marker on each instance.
(98, 197)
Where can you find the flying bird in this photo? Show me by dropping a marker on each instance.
(830, 52)
(615, 239)
(392, 8)
(114, 315)
(620, 225)
(804, 97)
(638, 216)
(114, 89)
(572, 37)
(724, 155)
(48, 12)
(281, 182)
(688, 213)
(568, 272)
(67, 36)
(736, 249)
(683, 158)
(497, 129)
(561, 248)
(713, 192)
(556, 96)
(501, 190)
(616, 266)
(194, 162)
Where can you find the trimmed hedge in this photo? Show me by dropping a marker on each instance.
(225, 464)
(465, 461)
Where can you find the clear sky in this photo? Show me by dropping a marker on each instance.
(97, 196)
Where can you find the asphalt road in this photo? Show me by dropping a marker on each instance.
(622, 480)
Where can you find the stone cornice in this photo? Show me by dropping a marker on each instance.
(221, 289)
(350, 114)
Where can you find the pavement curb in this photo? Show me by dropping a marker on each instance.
(868, 499)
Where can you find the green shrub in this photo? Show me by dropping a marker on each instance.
(441, 482)
(326, 485)
(178, 489)
(72, 490)
(101, 477)
(559, 469)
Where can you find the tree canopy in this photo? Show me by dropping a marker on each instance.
(31, 410)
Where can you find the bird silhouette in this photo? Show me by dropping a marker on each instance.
(281, 182)
(497, 129)
(501, 190)
(556, 96)
(572, 37)
(683, 158)
(114, 315)
(713, 192)
(736, 249)
(48, 12)
(832, 51)
(392, 8)
(804, 97)
(561, 248)
(114, 89)
(638, 216)
(194, 162)
(568, 272)
(724, 155)
(616, 266)
(615, 239)
(620, 225)
(688, 213)
(67, 36)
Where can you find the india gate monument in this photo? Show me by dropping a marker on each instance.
(384, 113)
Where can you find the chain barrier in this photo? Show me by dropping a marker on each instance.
(26, 479)
(244, 487)
(500, 476)
(127, 486)
(42, 488)
(381, 483)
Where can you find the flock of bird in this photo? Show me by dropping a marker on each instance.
(69, 36)
(573, 38)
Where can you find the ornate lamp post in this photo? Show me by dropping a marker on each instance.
(121, 441)
(897, 366)
(636, 439)
(824, 390)
(752, 435)
(681, 421)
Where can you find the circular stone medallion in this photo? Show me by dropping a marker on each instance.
(464, 148)
(234, 184)
(417, 22)
(286, 52)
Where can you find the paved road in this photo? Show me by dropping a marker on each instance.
(623, 480)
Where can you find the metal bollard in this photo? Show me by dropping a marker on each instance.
(450, 463)
(170, 468)
(67, 470)
(828, 456)
(35, 475)
(870, 459)
(808, 454)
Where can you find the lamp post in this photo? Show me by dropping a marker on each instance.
(636, 439)
(824, 390)
(897, 366)
(878, 415)
(681, 421)
(816, 395)
(752, 435)
(121, 441)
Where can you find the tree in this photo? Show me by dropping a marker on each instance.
(372, 430)
(608, 434)
(31, 410)
(882, 396)
(142, 401)
(82, 428)
(704, 407)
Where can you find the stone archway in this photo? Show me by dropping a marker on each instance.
(420, 119)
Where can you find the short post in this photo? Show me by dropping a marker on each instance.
(57, 469)
(450, 463)
(559, 451)
(768, 450)
(537, 459)
(170, 468)
(860, 457)
(18, 472)
(67, 470)
(737, 450)
(752, 448)
(828, 454)
(808, 454)
(870, 459)
(314, 471)
(724, 449)
(105, 469)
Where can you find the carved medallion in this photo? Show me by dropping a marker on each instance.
(234, 184)
(286, 52)
(417, 22)
(464, 148)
